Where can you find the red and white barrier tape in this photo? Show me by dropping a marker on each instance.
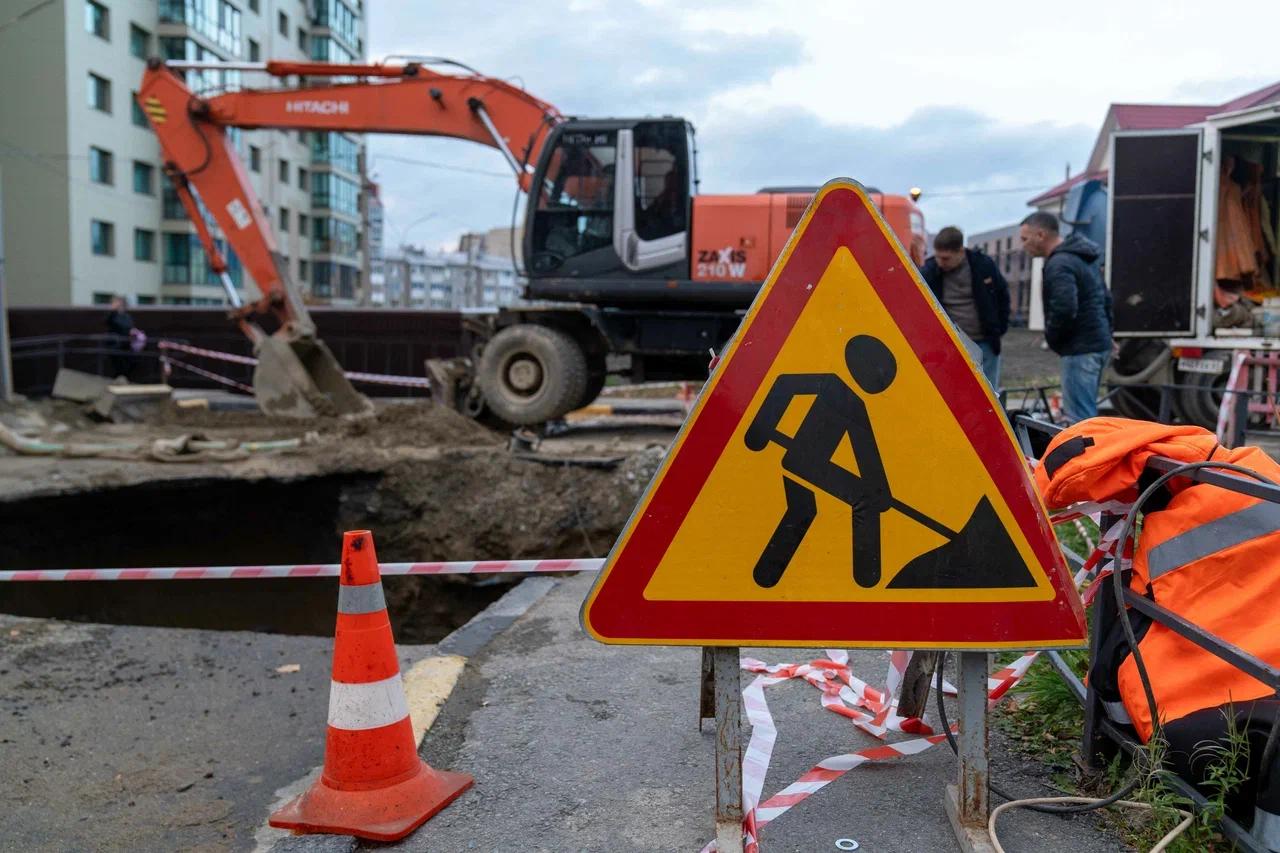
(353, 375)
(207, 353)
(477, 567)
(169, 362)
(871, 710)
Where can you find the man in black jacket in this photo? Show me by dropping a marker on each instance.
(974, 294)
(1077, 310)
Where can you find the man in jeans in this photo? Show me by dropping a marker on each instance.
(1077, 310)
(974, 294)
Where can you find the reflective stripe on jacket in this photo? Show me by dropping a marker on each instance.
(1208, 554)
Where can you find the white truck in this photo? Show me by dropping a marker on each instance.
(1162, 240)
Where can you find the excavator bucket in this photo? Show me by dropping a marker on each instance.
(300, 378)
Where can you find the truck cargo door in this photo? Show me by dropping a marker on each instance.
(1153, 245)
(651, 195)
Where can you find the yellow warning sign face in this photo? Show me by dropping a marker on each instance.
(846, 477)
(921, 450)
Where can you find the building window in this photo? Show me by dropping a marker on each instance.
(136, 115)
(284, 171)
(302, 179)
(335, 192)
(146, 300)
(255, 158)
(139, 41)
(102, 237)
(100, 166)
(334, 236)
(284, 219)
(97, 20)
(255, 51)
(329, 49)
(253, 6)
(101, 297)
(303, 222)
(144, 178)
(216, 20)
(99, 92)
(340, 19)
(304, 271)
(283, 25)
(144, 245)
(185, 261)
(302, 40)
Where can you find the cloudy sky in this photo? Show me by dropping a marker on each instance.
(981, 104)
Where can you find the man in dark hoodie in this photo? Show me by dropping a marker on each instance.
(1077, 310)
(974, 294)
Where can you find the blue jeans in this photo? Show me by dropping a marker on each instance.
(990, 364)
(1081, 378)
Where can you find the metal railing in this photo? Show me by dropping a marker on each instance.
(37, 360)
(1100, 732)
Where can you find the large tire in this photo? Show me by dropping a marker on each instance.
(532, 374)
(597, 375)
(1199, 405)
(1140, 361)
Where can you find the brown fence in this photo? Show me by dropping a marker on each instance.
(368, 340)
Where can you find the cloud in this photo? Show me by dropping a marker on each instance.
(963, 160)
(594, 59)
(1221, 90)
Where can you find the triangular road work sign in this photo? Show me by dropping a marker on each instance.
(846, 478)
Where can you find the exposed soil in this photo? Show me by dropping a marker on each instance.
(431, 485)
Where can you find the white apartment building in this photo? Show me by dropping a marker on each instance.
(88, 210)
(446, 281)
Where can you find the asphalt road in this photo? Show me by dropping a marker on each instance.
(129, 739)
(579, 746)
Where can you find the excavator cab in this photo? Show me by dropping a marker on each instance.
(611, 200)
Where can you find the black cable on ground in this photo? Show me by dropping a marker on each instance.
(1058, 810)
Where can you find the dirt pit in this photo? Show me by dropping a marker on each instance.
(430, 484)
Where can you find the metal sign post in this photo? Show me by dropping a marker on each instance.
(966, 802)
(726, 666)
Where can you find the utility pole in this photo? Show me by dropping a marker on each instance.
(6, 368)
(366, 264)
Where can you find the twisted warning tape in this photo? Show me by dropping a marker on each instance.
(845, 694)
(475, 567)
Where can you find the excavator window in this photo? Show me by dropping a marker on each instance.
(662, 183)
(575, 207)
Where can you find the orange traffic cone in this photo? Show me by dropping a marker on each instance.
(374, 785)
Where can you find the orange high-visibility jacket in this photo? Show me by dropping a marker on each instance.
(1208, 554)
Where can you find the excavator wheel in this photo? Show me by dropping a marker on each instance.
(596, 377)
(532, 374)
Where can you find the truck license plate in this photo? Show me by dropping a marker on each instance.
(1202, 365)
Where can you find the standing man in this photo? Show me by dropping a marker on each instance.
(1077, 310)
(974, 294)
(120, 327)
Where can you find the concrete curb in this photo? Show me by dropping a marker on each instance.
(464, 642)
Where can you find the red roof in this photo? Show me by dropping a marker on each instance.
(1253, 99)
(1159, 116)
(1061, 189)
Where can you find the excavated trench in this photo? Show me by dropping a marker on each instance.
(465, 505)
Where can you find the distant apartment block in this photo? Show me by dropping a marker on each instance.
(89, 212)
(472, 277)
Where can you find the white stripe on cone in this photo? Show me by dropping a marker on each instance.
(356, 707)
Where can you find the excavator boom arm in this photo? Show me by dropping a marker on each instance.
(406, 99)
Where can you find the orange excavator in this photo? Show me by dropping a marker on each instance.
(630, 270)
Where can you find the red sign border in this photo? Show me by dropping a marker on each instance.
(616, 611)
